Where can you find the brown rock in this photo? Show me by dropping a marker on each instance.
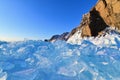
(110, 12)
(105, 13)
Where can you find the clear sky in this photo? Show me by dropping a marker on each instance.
(40, 19)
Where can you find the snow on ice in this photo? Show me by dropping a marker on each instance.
(92, 59)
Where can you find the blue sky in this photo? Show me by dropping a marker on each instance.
(40, 19)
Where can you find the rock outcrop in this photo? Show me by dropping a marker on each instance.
(104, 14)
(63, 36)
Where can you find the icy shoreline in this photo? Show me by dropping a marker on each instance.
(39, 60)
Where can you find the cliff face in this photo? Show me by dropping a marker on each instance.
(105, 13)
(110, 11)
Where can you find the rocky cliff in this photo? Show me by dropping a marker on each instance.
(104, 14)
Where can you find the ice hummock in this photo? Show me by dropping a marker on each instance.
(39, 60)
